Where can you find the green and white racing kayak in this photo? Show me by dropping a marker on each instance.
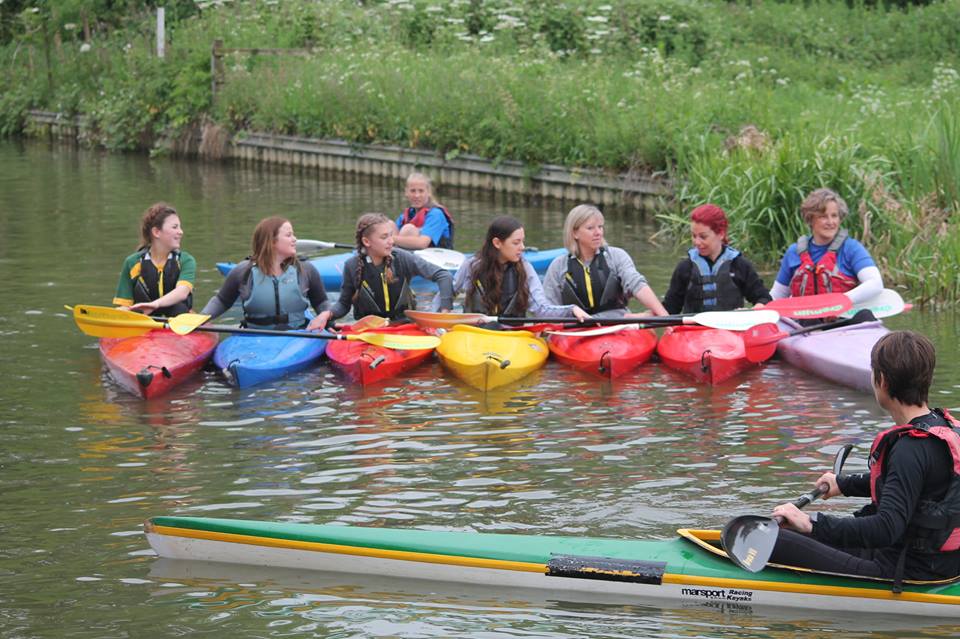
(690, 568)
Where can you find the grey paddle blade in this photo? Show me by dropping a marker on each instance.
(749, 540)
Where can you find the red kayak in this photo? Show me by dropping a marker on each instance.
(709, 355)
(368, 364)
(610, 355)
(150, 365)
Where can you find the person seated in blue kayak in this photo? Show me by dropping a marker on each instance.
(911, 527)
(714, 276)
(274, 287)
(425, 222)
(498, 281)
(599, 278)
(158, 277)
(828, 260)
(376, 281)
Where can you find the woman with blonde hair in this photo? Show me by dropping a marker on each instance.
(599, 278)
(425, 222)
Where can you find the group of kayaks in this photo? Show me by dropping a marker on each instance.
(151, 364)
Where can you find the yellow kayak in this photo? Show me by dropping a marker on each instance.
(487, 359)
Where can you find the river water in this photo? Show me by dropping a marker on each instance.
(83, 464)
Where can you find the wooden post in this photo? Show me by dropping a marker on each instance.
(216, 68)
(161, 34)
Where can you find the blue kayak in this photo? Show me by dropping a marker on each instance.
(330, 267)
(247, 360)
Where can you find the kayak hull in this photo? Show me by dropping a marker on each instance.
(247, 360)
(609, 356)
(151, 365)
(368, 364)
(840, 355)
(709, 355)
(688, 569)
(488, 359)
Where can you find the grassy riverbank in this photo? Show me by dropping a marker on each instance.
(853, 98)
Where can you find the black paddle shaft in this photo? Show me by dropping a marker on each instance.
(749, 540)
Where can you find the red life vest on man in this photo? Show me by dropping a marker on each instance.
(825, 275)
(934, 526)
(418, 216)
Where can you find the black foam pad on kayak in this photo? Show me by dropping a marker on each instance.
(607, 569)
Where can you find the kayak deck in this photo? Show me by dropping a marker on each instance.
(151, 365)
(488, 359)
(672, 569)
(840, 355)
(609, 355)
(709, 355)
(365, 364)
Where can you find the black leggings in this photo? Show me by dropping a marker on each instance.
(795, 549)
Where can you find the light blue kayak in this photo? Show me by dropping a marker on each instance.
(330, 267)
(247, 360)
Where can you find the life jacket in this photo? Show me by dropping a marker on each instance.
(148, 284)
(508, 295)
(274, 302)
(377, 296)
(712, 288)
(935, 525)
(418, 216)
(593, 288)
(825, 275)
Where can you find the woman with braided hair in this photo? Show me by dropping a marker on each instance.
(376, 281)
(498, 281)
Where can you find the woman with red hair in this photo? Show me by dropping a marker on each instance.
(714, 276)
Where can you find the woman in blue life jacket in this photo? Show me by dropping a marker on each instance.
(376, 281)
(599, 278)
(158, 277)
(911, 527)
(714, 276)
(827, 260)
(273, 286)
(498, 281)
(425, 222)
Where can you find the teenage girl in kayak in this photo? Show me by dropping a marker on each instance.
(425, 222)
(598, 278)
(376, 281)
(714, 276)
(274, 287)
(158, 277)
(498, 281)
(827, 260)
(911, 527)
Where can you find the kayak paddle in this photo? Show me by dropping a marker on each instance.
(728, 320)
(760, 342)
(102, 321)
(593, 332)
(444, 258)
(749, 539)
(886, 304)
(811, 306)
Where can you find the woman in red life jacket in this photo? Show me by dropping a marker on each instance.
(911, 527)
(827, 260)
(425, 222)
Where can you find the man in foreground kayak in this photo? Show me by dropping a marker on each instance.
(911, 527)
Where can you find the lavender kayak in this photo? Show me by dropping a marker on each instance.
(841, 355)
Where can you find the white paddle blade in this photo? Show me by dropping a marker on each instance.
(311, 246)
(886, 304)
(444, 258)
(734, 320)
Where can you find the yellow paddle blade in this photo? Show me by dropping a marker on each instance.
(186, 323)
(397, 342)
(103, 321)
